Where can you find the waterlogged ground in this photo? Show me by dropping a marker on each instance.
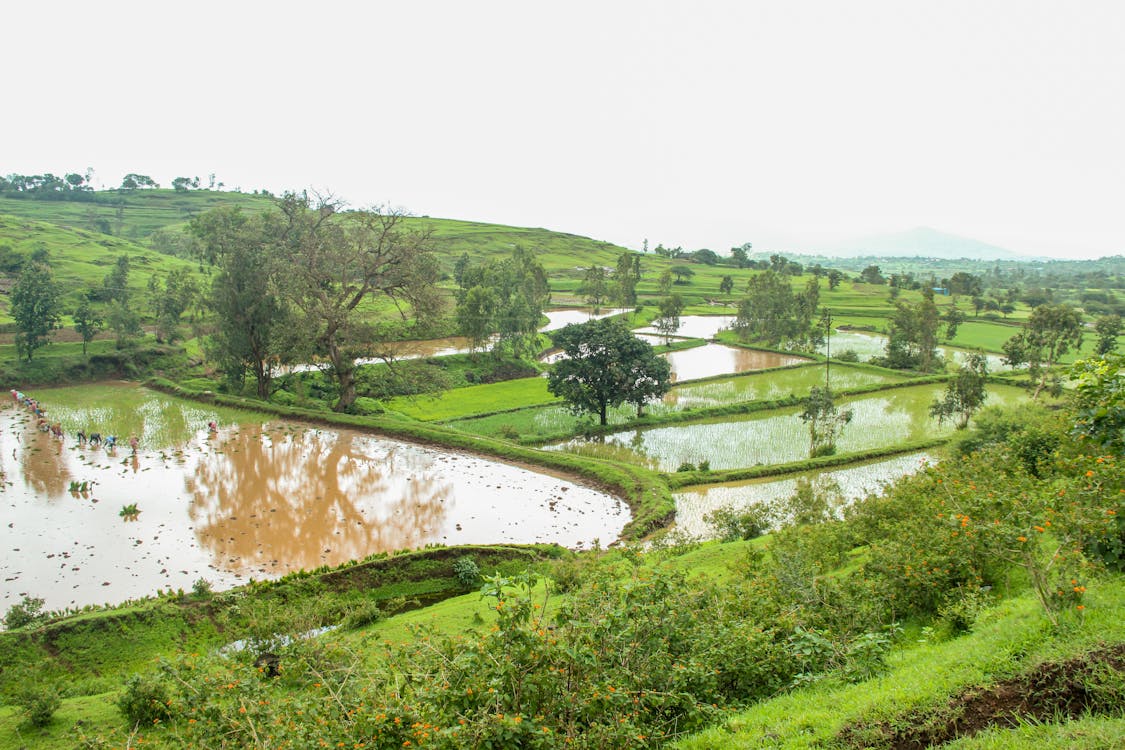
(852, 483)
(869, 345)
(710, 360)
(554, 420)
(879, 420)
(697, 326)
(257, 499)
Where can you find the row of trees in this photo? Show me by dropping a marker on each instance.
(505, 297)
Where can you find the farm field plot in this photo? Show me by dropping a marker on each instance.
(879, 420)
(474, 399)
(868, 345)
(849, 484)
(556, 419)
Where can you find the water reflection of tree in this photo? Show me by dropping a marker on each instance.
(297, 497)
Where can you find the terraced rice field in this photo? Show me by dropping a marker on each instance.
(880, 420)
(848, 484)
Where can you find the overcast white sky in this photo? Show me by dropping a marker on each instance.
(701, 124)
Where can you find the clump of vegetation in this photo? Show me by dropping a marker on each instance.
(39, 704)
(466, 572)
(129, 512)
(27, 611)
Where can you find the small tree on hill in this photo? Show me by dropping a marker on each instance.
(87, 322)
(605, 366)
(1108, 328)
(965, 393)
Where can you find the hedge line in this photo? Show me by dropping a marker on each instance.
(646, 493)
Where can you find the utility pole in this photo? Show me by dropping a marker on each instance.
(826, 319)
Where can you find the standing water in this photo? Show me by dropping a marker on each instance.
(254, 499)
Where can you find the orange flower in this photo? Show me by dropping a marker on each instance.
(1022, 538)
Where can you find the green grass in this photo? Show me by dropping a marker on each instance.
(80, 259)
(474, 399)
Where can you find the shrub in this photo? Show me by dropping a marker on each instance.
(731, 524)
(27, 611)
(686, 466)
(39, 703)
(466, 572)
(144, 701)
(201, 588)
(365, 614)
(365, 406)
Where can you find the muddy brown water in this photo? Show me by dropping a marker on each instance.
(254, 500)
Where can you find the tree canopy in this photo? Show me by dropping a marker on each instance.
(605, 365)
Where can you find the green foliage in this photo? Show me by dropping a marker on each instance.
(35, 306)
(27, 611)
(912, 335)
(1108, 328)
(1051, 332)
(145, 700)
(965, 393)
(606, 366)
(466, 572)
(825, 421)
(39, 703)
(772, 313)
(732, 524)
(1100, 401)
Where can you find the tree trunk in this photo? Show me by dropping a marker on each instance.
(344, 369)
(602, 413)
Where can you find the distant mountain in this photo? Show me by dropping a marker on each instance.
(922, 242)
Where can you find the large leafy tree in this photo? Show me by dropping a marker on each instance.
(1108, 328)
(35, 306)
(605, 365)
(1051, 332)
(336, 261)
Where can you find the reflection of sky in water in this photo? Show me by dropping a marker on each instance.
(253, 501)
(718, 359)
(697, 326)
(851, 483)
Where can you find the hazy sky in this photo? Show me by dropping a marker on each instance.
(701, 124)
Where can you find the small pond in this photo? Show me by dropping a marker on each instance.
(257, 499)
(879, 420)
(849, 484)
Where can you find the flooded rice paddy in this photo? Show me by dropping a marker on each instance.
(879, 420)
(869, 345)
(553, 420)
(256, 499)
(851, 483)
(697, 326)
(710, 360)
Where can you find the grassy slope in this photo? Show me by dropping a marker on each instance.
(80, 259)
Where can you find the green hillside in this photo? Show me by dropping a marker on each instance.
(80, 259)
